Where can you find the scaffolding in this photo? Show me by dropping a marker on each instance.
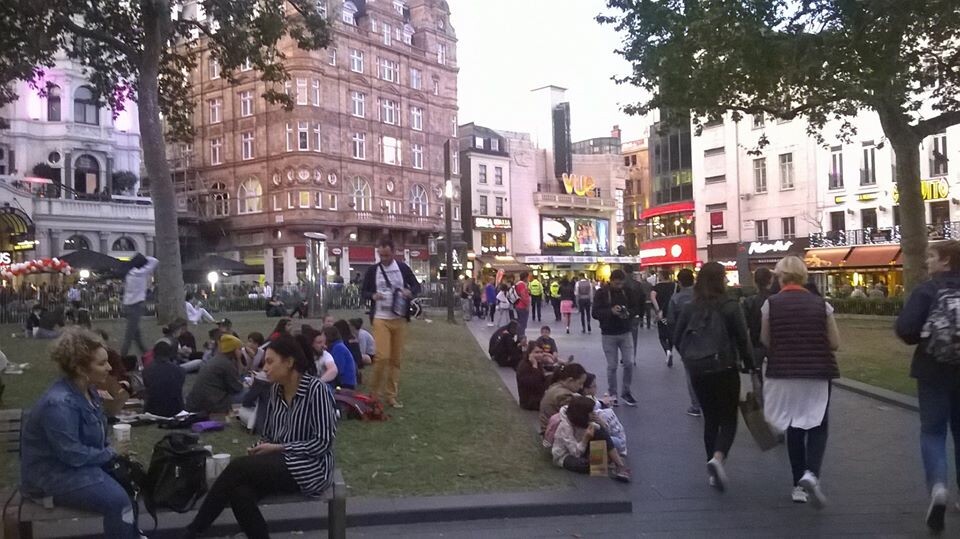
(197, 200)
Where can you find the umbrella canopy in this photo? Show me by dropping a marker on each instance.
(220, 264)
(92, 260)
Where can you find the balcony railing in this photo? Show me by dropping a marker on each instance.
(880, 236)
(93, 209)
(573, 201)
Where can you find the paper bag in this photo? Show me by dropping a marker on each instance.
(598, 457)
(752, 412)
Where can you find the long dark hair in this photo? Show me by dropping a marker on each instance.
(282, 326)
(711, 283)
(346, 332)
(567, 371)
(287, 347)
(579, 410)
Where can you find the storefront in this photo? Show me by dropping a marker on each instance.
(669, 253)
(571, 266)
(838, 270)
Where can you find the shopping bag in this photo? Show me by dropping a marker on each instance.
(598, 457)
(752, 411)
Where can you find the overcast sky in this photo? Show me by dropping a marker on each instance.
(508, 47)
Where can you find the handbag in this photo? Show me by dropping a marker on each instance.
(132, 477)
(400, 305)
(752, 410)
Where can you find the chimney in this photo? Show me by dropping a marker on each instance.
(615, 132)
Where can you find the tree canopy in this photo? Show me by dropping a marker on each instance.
(142, 51)
(822, 60)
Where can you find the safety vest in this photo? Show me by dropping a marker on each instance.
(555, 289)
(536, 289)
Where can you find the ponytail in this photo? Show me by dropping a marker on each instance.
(567, 371)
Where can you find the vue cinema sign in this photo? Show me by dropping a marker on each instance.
(583, 186)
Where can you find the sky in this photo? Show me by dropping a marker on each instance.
(506, 48)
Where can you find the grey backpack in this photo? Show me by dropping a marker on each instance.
(942, 328)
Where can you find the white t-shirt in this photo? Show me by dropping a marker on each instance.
(324, 362)
(386, 289)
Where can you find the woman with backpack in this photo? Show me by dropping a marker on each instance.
(712, 338)
(927, 321)
(296, 454)
(800, 334)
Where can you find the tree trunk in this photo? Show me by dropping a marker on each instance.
(170, 289)
(913, 222)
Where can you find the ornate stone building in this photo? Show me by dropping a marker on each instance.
(360, 154)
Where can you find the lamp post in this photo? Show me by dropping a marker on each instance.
(213, 278)
(448, 226)
(316, 271)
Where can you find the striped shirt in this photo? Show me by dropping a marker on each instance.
(306, 429)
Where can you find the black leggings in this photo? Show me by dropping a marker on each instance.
(585, 315)
(244, 483)
(581, 463)
(806, 448)
(719, 395)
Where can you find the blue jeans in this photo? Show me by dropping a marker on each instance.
(523, 316)
(939, 408)
(110, 500)
(611, 345)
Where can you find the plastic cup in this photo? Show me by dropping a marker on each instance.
(121, 437)
(220, 463)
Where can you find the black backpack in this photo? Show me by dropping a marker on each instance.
(704, 343)
(177, 477)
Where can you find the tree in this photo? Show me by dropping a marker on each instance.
(822, 60)
(142, 51)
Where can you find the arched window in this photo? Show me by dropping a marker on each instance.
(85, 108)
(123, 243)
(419, 202)
(76, 242)
(86, 175)
(250, 197)
(221, 200)
(53, 103)
(349, 13)
(362, 196)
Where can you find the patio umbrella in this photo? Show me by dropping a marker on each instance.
(220, 264)
(92, 260)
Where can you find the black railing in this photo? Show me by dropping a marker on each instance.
(879, 236)
(873, 307)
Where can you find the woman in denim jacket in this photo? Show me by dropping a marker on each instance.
(64, 444)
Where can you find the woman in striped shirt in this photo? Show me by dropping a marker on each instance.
(296, 452)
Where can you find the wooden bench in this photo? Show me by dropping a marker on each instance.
(21, 514)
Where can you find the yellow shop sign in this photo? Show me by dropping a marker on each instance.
(583, 186)
(929, 190)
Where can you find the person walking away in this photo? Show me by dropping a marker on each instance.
(712, 338)
(660, 298)
(389, 286)
(928, 322)
(477, 292)
(568, 298)
(64, 447)
(680, 299)
(466, 299)
(584, 301)
(752, 310)
(522, 305)
(295, 454)
(633, 284)
(503, 305)
(135, 283)
(801, 336)
(536, 299)
(611, 308)
(490, 298)
(646, 292)
(555, 298)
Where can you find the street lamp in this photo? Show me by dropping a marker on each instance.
(84, 274)
(316, 271)
(213, 278)
(448, 224)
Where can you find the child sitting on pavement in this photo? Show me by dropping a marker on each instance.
(578, 426)
(608, 418)
(548, 344)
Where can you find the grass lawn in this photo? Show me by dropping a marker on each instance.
(871, 353)
(460, 430)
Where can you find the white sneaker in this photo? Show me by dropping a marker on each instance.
(811, 484)
(798, 495)
(719, 475)
(938, 507)
(489, 324)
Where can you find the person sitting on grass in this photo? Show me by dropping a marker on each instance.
(163, 381)
(314, 345)
(579, 426)
(282, 328)
(504, 348)
(64, 451)
(295, 455)
(368, 346)
(349, 337)
(253, 352)
(532, 378)
(51, 323)
(226, 326)
(196, 313)
(33, 321)
(275, 308)
(116, 386)
(567, 380)
(218, 383)
(607, 417)
(346, 365)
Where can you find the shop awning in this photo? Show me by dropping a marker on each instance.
(826, 258)
(872, 256)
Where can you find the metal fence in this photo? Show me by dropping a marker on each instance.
(875, 307)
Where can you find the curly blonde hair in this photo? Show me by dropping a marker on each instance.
(75, 349)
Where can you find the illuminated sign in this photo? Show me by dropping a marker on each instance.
(760, 248)
(669, 251)
(6, 258)
(929, 190)
(574, 235)
(492, 223)
(583, 186)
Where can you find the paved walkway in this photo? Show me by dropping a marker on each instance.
(872, 472)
